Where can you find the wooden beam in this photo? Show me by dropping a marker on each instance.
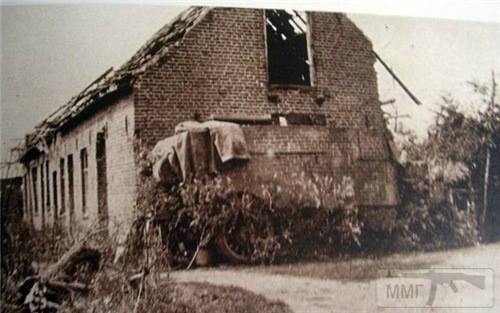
(242, 119)
(396, 78)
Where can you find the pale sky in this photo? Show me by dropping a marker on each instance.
(50, 53)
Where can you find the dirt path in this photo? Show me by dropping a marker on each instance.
(311, 295)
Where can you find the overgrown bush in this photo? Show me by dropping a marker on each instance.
(427, 219)
(435, 225)
(312, 216)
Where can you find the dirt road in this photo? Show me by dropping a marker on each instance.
(310, 295)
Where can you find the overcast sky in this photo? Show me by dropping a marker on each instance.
(50, 53)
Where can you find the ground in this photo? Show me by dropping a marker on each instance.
(171, 297)
(346, 285)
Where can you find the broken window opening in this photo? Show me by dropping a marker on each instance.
(47, 184)
(42, 189)
(25, 208)
(102, 182)
(84, 175)
(287, 48)
(61, 184)
(71, 189)
(34, 190)
(54, 192)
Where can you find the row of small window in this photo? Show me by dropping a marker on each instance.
(66, 166)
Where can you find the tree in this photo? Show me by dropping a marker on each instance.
(473, 140)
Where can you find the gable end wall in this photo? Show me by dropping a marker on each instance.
(220, 68)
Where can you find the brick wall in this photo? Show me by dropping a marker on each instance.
(117, 119)
(220, 68)
(281, 154)
(275, 139)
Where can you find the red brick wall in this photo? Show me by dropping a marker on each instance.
(220, 68)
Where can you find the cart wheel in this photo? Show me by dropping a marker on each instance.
(238, 241)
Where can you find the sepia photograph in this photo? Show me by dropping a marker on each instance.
(251, 156)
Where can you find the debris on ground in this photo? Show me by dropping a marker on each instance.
(70, 276)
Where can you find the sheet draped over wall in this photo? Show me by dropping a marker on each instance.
(197, 149)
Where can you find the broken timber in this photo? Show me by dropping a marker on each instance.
(400, 83)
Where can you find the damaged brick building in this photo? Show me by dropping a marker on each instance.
(301, 85)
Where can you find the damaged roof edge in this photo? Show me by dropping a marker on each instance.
(161, 44)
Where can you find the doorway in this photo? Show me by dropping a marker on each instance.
(102, 182)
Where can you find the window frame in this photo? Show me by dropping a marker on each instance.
(312, 73)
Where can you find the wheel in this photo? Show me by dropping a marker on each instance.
(248, 225)
(234, 245)
(83, 265)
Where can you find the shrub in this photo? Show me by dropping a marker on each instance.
(428, 218)
(263, 227)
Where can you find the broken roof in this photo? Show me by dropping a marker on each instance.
(161, 44)
(11, 168)
(10, 171)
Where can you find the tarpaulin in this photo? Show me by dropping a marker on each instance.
(196, 149)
